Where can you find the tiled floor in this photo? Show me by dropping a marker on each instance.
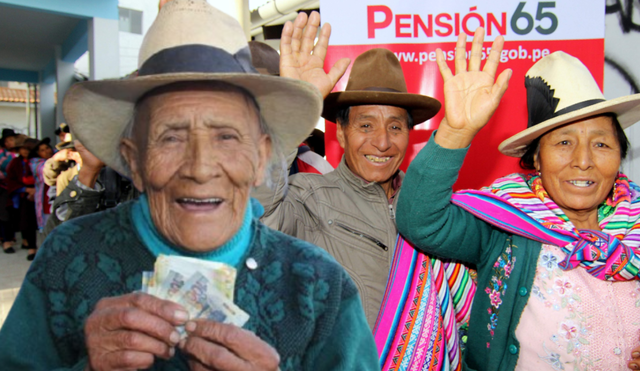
(13, 268)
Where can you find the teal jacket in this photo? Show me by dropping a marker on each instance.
(506, 263)
(301, 301)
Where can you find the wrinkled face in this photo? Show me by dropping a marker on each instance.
(196, 153)
(375, 141)
(45, 151)
(579, 163)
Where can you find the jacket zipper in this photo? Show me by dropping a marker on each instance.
(363, 235)
(391, 212)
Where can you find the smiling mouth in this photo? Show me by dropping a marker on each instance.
(377, 160)
(581, 183)
(199, 204)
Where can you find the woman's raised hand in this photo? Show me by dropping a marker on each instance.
(471, 95)
(300, 59)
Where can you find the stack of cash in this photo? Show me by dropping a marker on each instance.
(203, 288)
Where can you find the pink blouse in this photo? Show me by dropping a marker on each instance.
(574, 321)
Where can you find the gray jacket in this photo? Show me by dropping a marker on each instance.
(345, 215)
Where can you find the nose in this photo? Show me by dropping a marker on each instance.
(201, 161)
(583, 156)
(381, 139)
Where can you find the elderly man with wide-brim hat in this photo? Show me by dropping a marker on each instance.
(350, 212)
(194, 130)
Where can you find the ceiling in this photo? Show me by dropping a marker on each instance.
(28, 37)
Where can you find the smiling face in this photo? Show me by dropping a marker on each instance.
(196, 153)
(579, 163)
(375, 142)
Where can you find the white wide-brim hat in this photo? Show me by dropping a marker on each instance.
(561, 90)
(189, 41)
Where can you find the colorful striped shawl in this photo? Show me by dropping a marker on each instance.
(424, 303)
(519, 204)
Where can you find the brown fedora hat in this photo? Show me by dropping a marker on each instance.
(266, 59)
(377, 79)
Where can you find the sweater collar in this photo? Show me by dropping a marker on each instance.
(230, 253)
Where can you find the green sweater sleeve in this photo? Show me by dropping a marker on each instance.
(428, 219)
(26, 342)
(349, 347)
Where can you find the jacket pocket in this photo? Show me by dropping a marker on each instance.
(362, 235)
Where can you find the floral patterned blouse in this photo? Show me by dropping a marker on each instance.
(574, 321)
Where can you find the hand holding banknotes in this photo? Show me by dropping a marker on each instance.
(126, 332)
(222, 347)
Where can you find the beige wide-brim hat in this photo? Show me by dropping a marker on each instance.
(561, 90)
(377, 79)
(189, 41)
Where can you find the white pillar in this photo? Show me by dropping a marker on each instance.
(64, 78)
(47, 111)
(104, 49)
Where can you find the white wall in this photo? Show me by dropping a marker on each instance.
(14, 116)
(622, 48)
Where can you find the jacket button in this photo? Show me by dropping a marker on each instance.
(523, 291)
(73, 193)
(513, 349)
(330, 222)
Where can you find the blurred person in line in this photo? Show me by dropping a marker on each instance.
(62, 131)
(38, 156)
(21, 187)
(557, 247)
(195, 134)
(266, 60)
(7, 230)
(95, 188)
(350, 212)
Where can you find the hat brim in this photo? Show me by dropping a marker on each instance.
(98, 112)
(65, 145)
(626, 108)
(421, 107)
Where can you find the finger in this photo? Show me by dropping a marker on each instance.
(310, 32)
(445, 71)
(128, 360)
(140, 342)
(165, 309)
(212, 355)
(320, 50)
(634, 365)
(298, 26)
(138, 321)
(501, 85)
(243, 343)
(338, 70)
(285, 39)
(476, 50)
(461, 53)
(491, 66)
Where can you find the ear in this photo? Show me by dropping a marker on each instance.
(264, 154)
(129, 150)
(536, 161)
(340, 134)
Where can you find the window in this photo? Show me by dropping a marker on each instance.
(130, 20)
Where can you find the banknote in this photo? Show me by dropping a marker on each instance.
(203, 288)
(221, 275)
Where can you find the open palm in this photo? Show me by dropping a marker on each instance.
(472, 95)
(302, 60)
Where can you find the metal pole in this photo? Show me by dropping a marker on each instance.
(35, 107)
(28, 108)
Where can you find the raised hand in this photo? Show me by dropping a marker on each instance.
(301, 60)
(470, 96)
(217, 346)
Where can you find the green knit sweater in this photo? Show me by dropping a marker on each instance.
(301, 301)
(505, 263)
